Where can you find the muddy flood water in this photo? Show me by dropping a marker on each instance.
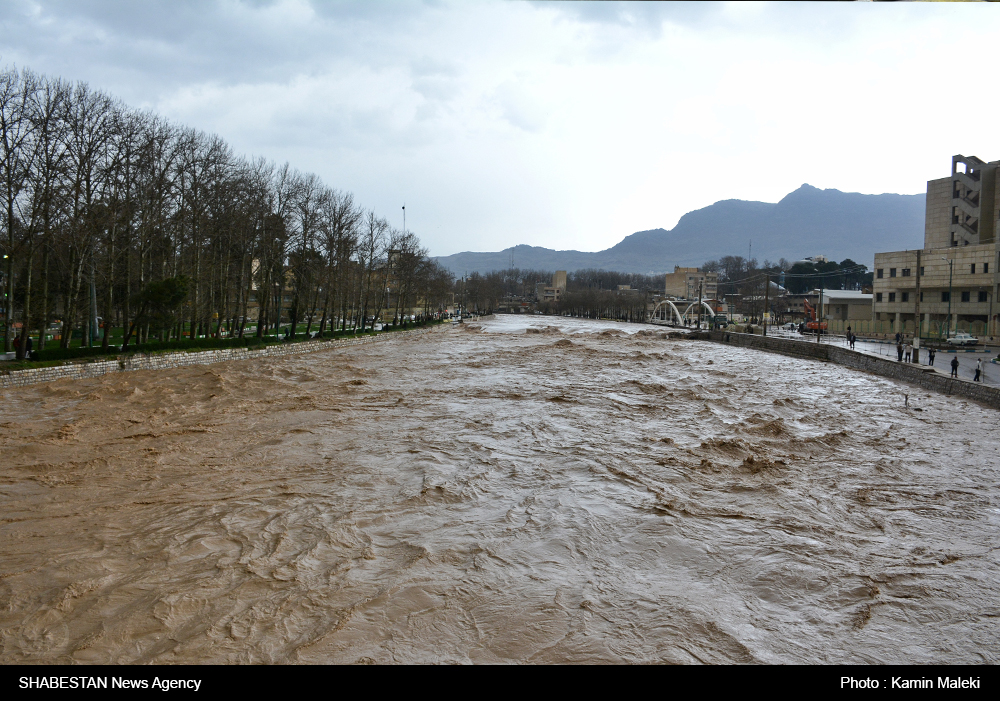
(519, 490)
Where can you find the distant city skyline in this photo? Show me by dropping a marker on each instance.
(563, 125)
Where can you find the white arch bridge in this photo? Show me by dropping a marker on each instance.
(665, 312)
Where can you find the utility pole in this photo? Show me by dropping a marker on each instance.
(819, 314)
(916, 325)
(701, 288)
(767, 292)
(950, 262)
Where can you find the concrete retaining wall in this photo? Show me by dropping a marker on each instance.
(161, 361)
(919, 375)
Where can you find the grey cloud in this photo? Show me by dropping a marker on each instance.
(434, 88)
(432, 66)
(178, 42)
(648, 16)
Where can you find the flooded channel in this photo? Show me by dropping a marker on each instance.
(519, 490)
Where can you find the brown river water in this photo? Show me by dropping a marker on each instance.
(519, 490)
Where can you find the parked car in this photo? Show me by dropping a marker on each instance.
(962, 339)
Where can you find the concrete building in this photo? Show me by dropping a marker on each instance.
(956, 269)
(686, 283)
(844, 305)
(554, 291)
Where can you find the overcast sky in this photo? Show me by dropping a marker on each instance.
(552, 124)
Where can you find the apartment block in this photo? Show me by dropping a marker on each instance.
(687, 283)
(554, 291)
(952, 281)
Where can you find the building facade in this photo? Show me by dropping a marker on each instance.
(844, 305)
(952, 281)
(554, 291)
(690, 283)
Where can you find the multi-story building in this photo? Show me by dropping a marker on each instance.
(554, 291)
(956, 270)
(688, 283)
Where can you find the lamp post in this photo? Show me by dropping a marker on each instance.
(8, 302)
(989, 319)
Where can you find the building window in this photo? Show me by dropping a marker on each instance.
(982, 296)
(986, 268)
(921, 270)
(878, 273)
(906, 272)
(945, 296)
(878, 296)
(921, 296)
(972, 268)
(965, 296)
(892, 296)
(892, 272)
(906, 297)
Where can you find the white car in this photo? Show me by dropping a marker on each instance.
(962, 339)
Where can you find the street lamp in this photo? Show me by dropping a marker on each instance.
(950, 262)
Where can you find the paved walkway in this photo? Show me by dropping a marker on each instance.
(942, 362)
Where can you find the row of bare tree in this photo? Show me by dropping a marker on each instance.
(486, 292)
(101, 201)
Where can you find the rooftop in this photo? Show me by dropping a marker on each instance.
(850, 295)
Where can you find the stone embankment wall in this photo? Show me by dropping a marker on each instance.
(162, 361)
(919, 375)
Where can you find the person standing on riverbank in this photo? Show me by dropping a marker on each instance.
(979, 370)
(930, 357)
(954, 367)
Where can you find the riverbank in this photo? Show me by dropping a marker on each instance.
(920, 375)
(166, 360)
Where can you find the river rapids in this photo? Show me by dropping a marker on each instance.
(524, 489)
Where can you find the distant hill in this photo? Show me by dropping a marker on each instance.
(806, 222)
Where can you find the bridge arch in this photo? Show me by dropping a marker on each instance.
(662, 309)
(711, 312)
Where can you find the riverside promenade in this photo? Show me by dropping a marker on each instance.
(876, 361)
(163, 361)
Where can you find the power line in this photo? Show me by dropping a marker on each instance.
(757, 276)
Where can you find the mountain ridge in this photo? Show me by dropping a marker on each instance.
(807, 221)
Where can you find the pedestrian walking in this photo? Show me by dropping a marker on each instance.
(899, 351)
(899, 338)
(954, 367)
(907, 352)
(979, 371)
(930, 357)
